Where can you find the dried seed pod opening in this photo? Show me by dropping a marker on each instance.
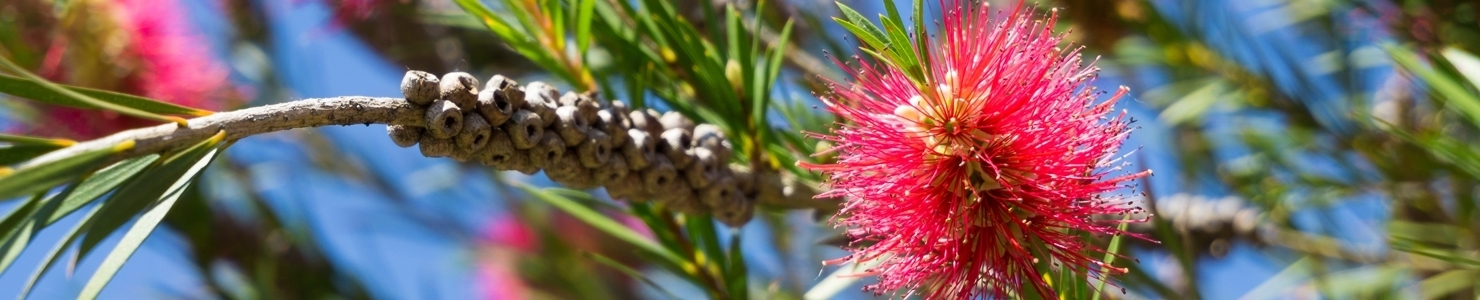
(673, 119)
(570, 125)
(542, 99)
(735, 212)
(475, 133)
(659, 176)
(675, 143)
(435, 147)
(404, 136)
(614, 170)
(596, 150)
(614, 125)
(525, 129)
(499, 82)
(444, 119)
(494, 108)
(460, 88)
(499, 152)
(420, 88)
(707, 168)
(547, 151)
(721, 191)
(640, 151)
(647, 121)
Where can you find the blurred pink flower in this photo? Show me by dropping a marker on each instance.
(969, 185)
(163, 58)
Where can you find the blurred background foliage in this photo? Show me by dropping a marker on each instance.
(1306, 148)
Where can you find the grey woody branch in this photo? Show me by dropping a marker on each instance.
(577, 140)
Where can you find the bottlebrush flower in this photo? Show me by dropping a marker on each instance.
(159, 56)
(977, 183)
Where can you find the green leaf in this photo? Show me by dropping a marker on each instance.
(629, 272)
(861, 27)
(141, 229)
(35, 215)
(20, 87)
(1448, 88)
(1110, 256)
(606, 224)
(736, 275)
(193, 161)
(145, 189)
(584, 13)
(30, 140)
(39, 178)
(14, 154)
(56, 252)
(71, 96)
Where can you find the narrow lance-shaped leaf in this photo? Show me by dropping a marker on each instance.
(193, 161)
(143, 190)
(39, 178)
(606, 224)
(20, 87)
(20, 227)
(74, 96)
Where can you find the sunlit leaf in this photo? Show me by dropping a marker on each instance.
(145, 190)
(193, 161)
(20, 87)
(13, 154)
(607, 224)
(1448, 88)
(39, 178)
(24, 222)
(70, 96)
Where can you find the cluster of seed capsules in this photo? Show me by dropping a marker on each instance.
(580, 142)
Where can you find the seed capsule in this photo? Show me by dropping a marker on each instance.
(641, 150)
(444, 119)
(675, 143)
(523, 163)
(404, 136)
(735, 212)
(475, 133)
(460, 88)
(525, 129)
(713, 138)
(614, 125)
(614, 170)
(435, 147)
(627, 188)
(673, 119)
(567, 171)
(720, 192)
(585, 103)
(595, 151)
(570, 125)
(707, 168)
(499, 152)
(494, 107)
(547, 151)
(420, 88)
(647, 121)
(659, 177)
(542, 99)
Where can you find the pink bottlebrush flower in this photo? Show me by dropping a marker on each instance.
(976, 184)
(163, 59)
